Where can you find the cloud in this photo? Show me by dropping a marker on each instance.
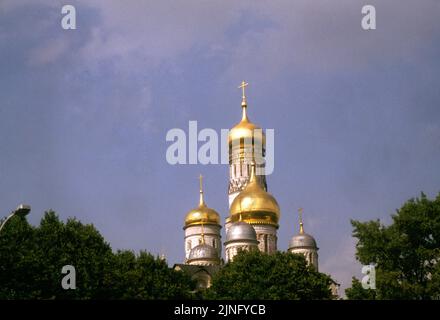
(106, 76)
(154, 32)
(255, 37)
(327, 36)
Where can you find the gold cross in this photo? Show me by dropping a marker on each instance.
(301, 226)
(243, 86)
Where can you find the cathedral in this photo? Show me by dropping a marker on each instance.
(254, 213)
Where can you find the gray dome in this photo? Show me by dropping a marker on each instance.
(239, 231)
(302, 240)
(203, 251)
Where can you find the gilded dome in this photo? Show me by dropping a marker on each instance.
(202, 214)
(245, 129)
(254, 204)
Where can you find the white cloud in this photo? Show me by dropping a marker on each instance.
(258, 37)
(153, 32)
(327, 36)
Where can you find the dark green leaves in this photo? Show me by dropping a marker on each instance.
(254, 275)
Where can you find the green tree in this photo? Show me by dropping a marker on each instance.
(145, 277)
(406, 253)
(357, 292)
(255, 275)
(72, 243)
(31, 260)
(16, 259)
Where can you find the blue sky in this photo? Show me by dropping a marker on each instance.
(84, 113)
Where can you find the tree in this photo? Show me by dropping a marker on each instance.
(406, 253)
(145, 277)
(72, 243)
(357, 292)
(16, 259)
(255, 275)
(31, 260)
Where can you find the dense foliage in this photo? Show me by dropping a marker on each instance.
(31, 260)
(255, 275)
(406, 253)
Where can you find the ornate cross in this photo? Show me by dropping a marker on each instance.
(300, 211)
(301, 226)
(243, 86)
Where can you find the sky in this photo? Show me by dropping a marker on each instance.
(84, 113)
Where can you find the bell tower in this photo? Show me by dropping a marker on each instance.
(247, 144)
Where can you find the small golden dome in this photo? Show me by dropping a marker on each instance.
(254, 205)
(202, 214)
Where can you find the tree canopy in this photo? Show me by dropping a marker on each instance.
(406, 253)
(31, 260)
(282, 275)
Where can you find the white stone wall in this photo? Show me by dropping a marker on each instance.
(231, 249)
(267, 237)
(311, 255)
(240, 161)
(193, 237)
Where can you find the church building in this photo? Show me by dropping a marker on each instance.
(254, 213)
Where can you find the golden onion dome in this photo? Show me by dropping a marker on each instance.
(202, 214)
(245, 128)
(254, 205)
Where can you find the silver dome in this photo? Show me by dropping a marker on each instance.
(302, 240)
(203, 251)
(240, 231)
